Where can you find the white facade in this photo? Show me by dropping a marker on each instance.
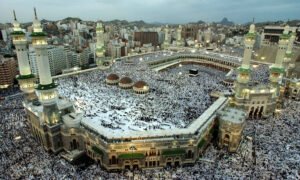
(20, 43)
(249, 42)
(60, 58)
(33, 63)
(116, 51)
(208, 36)
(4, 35)
(80, 58)
(57, 60)
(282, 48)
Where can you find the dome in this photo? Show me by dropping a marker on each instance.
(125, 83)
(112, 77)
(126, 80)
(140, 84)
(141, 87)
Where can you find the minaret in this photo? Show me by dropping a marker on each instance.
(26, 79)
(100, 49)
(277, 69)
(289, 54)
(244, 70)
(46, 89)
(166, 43)
(179, 38)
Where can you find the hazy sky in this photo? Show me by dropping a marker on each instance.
(166, 11)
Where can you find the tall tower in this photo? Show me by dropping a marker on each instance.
(26, 78)
(244, 70)
(46, 89)
(166, 43)
(100, 49)
(288, 54)
(77, 37)
(277, 69)
(179, 38)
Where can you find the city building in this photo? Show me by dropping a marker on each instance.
(33, 62)
(146, 38)
(8, 71)
(271, 34)
(208, 36)
(58, 60)
(190, 31)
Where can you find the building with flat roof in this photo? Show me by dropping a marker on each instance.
(146, 38)
(231, 125)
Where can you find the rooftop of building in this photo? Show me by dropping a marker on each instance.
(6, 58)
(233, 115)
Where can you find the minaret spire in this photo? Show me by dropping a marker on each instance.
(36, 23)
(15, 17)
(35, 16)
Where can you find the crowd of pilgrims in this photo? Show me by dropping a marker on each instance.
(259, 74)
(121, 109)
(9, 92)
(272, 152)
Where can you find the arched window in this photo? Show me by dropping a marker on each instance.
(113, 160)
(227, 137)
(190, 154)
(74, 144)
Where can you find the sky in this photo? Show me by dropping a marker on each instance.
(164, 11)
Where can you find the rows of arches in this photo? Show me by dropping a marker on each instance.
(256, 112)
(37, 134)
(176, 162)
(209, 59)
(74, 144)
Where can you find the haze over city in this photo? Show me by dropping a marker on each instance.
(163, 11)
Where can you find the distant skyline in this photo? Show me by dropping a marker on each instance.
(164, 11)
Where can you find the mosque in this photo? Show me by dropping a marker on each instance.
(58, 127)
